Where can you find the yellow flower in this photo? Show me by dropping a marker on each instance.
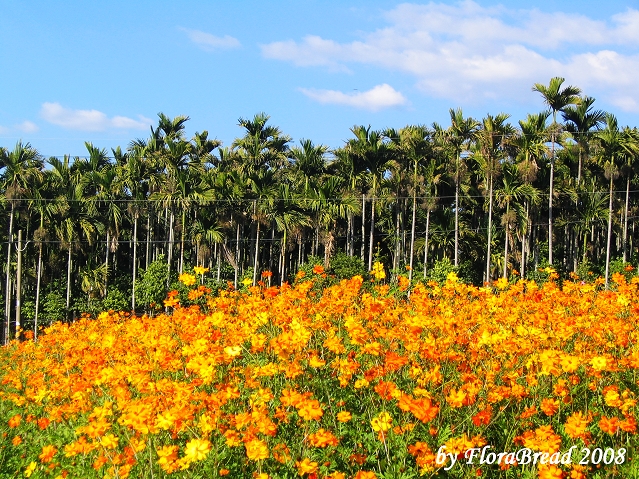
(378, 271)
(233, 350)
(344, 416)
(306, 466)
(109, 441)
(29, 470)
(200, 270)
(197, 449)
(256, 450)
(187, 279)
(247, 282)
(599, 363)
(382, 422)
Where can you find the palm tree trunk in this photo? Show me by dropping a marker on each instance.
(625, 221)
(372, 234)
(490, 227)
(69, 279)
(363, 251)
(170, 248)
(106, 262)
(148, 239)
(283, 259)
(506, 242)
(182, 236)
(609, 233)
(456, 216)
(426, 241)
(257, 250)
(37, 300)
(412, 235)
(349, 235)
(524, 242)
(135, 260)
(7, 301)
(552, 179)
(237, 253)
(398, 238)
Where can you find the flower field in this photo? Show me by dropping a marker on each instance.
(353, 381)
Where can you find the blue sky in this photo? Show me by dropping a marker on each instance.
(101, 71)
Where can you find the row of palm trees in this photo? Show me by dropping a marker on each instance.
(493, 197)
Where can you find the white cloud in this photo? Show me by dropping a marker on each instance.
(24, 127)
(89, 120)
(27, 127)
(209, 42)
(378, 97)
(468, 52)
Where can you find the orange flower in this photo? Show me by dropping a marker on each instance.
(365, 475)
(16, 441)
(549, 406)
(256, 450)
(482, 417)
(306, 466)
(322, 438)
(310, 410)
(344, 416)
(609, 425)
(47, 454)
(15, 421)
(576, 425)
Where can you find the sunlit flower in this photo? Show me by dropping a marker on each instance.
(200, 270)
(344, 416)
(256, 450)
(29, 469)
(197, 449)
(306, 466)
(187, 279)
(47, 454)
(382, 422)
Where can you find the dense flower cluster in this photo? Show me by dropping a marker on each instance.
(278, 382)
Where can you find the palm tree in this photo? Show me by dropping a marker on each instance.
(331, 203)
(42, 203)
(612, 149)
(370, 147)
(263, 189)
(512, 191)
(134, 178)
(287, 213)
(557, 99)
(629, 169)
(490, 152)
(75, 220)
(580, 120)
(530, 147)
(411, 146)
(592, 211)
(352, 166)
(20, 167)
(461, 132)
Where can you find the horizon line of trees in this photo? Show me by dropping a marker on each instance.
(497, 199)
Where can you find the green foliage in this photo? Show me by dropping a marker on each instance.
(116, 300)
(443, 267)
(150, 288)
(344, 266)
(618, 266)
(586, 271)
(53, 308)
